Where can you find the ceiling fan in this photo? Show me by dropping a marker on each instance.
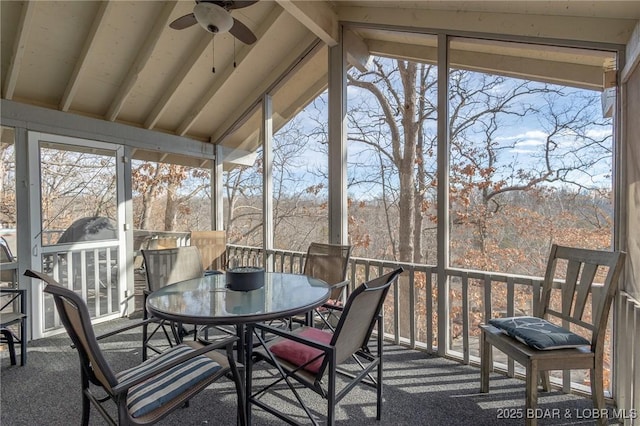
(215, 17)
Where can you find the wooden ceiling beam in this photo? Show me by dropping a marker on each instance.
(318, 16)
(555, 72)
(549, 71)
(296, 105)
(82, 62)
(19, 47)
(223, 77)
(161, 24)
(357, 50)
(169, 92)
(574, 28)
(266, 84)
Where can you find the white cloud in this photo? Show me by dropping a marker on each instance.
(599, 133)
(521, 151)
(529, 142)
(528, 135)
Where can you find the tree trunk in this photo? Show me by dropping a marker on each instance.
(408, 72)
(145, 219)
(171, 211)
(406, 206)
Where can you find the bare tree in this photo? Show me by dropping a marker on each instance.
(299, 188)
(243, 217)
(176, 184)
(395, 118)
(76, 184)
(7, 186)
(570, 144)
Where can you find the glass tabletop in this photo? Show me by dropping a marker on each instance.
(207, 300)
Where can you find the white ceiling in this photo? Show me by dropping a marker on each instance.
(119, 61)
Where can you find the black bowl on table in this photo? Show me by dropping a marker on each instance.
(245, 278)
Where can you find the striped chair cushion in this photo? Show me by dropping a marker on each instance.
(164, 387)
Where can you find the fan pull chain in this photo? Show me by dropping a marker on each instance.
(213, 56)
(234, 52)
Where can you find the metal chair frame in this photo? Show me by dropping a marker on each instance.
(96, 371)
(17, 298)
(163, 267)
(328, 262)
(350, 341)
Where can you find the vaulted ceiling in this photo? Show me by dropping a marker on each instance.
(120, 61)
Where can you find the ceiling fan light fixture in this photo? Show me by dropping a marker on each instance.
(213, 18)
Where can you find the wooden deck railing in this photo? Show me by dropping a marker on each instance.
(411, 317)
(91, 269)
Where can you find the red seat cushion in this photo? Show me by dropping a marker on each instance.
(329, 304)
(298, 353)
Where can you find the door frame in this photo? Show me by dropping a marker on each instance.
(36, 248)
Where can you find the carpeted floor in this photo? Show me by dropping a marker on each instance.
(420, 389)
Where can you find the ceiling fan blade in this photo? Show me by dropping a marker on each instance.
(230, 5)
(184, 22)
(242, 32)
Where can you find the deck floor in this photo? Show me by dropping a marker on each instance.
(419, 389)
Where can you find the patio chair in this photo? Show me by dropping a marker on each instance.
(559, 344)
(329, 263)
(164, 267)
(314, 357)
(213, 249)
(13, 312)
(7, 275)
(148, 392)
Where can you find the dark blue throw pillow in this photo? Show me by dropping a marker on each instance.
(539, 333)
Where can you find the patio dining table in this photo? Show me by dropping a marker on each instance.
(208, 301)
